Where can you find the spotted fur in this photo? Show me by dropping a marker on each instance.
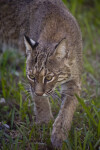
(53, 46)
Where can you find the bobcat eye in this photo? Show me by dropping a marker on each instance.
(48, 78)
(32, 77)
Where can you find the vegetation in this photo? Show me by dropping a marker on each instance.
(17, 127)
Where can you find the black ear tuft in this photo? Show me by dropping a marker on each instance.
(32, 43)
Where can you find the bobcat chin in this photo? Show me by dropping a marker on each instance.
(53, 43)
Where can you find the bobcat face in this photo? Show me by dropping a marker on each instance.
(45, 66)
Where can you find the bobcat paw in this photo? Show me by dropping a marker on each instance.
(56, 142)
(57, 138)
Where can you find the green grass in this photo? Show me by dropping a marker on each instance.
(17, 112)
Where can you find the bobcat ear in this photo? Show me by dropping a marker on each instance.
(60, 51)
(29, 43)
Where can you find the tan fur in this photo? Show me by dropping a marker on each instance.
(54, 55)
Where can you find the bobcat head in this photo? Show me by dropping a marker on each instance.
(46, 65)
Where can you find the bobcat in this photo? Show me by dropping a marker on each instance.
(54, 55)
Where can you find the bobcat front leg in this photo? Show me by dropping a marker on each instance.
(62, 123)
(42, 109)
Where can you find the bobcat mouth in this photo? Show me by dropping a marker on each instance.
(45, 94)
(37, 94)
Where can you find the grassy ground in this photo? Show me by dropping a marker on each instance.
(17, 127)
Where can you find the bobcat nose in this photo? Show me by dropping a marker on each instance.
(39, 93)
(39, 89)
